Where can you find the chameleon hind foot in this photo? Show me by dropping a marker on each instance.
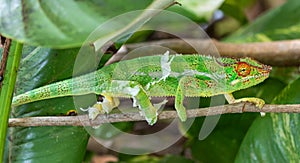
(105, 106)
(256, 101)
(108, 103)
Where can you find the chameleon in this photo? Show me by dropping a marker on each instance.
(189, 75)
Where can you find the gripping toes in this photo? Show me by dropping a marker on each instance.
(257, 101)
(102, 107)
(109, 103)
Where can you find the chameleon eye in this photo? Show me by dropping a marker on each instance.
(243, 69)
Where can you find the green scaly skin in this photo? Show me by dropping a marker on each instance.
(159, 76)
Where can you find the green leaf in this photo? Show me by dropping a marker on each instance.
(266, 90)
(154, 159)
(138, 159)
(224, 141)
(276, 137)
(48, 144)
(278, 24)
(197, 10)
(62, 23)
(6, 93)
(227, 137)
(106, 132)
(175, 159)
(236, 9)
(285, 74)
(42, 66)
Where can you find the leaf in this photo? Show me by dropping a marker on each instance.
(175, 159)
(6, 93)
(197, 10)
(154, 159)
(224, 141)
(236, 9)
(278, 24)
(276, 137)
(137, 159)
(285, 74)
(48, 144)
(41, 66)
(53, 23)
(231, 128)
(106, 132)
(266, 90)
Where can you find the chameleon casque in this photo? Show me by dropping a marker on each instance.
(158, 76)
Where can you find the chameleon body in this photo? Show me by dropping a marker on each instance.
(158, 76)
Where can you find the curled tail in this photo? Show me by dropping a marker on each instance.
(77, 86)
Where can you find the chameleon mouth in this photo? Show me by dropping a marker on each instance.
(266, 68)
(264, 71)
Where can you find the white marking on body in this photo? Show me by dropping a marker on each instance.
(147, 86)
(234, 82)
(124, 86)
(215, 77)
(167, 72)
(165, 63)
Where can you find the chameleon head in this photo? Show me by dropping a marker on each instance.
(245, 72)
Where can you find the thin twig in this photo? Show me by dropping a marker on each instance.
(83, 120)
(277, 53)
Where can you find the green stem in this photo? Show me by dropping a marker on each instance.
(6, 94)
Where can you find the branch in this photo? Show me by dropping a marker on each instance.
(6, 47)
(82, 120)
(277, 53)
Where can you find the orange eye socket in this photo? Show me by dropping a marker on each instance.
(243, 69)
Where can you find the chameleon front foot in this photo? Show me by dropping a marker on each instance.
(256, 101)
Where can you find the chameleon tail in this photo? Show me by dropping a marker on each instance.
(74, 86)
(58, 89)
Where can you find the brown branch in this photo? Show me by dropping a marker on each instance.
(82, 120)
(6, 47)
(277, 53)
(1, 44)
